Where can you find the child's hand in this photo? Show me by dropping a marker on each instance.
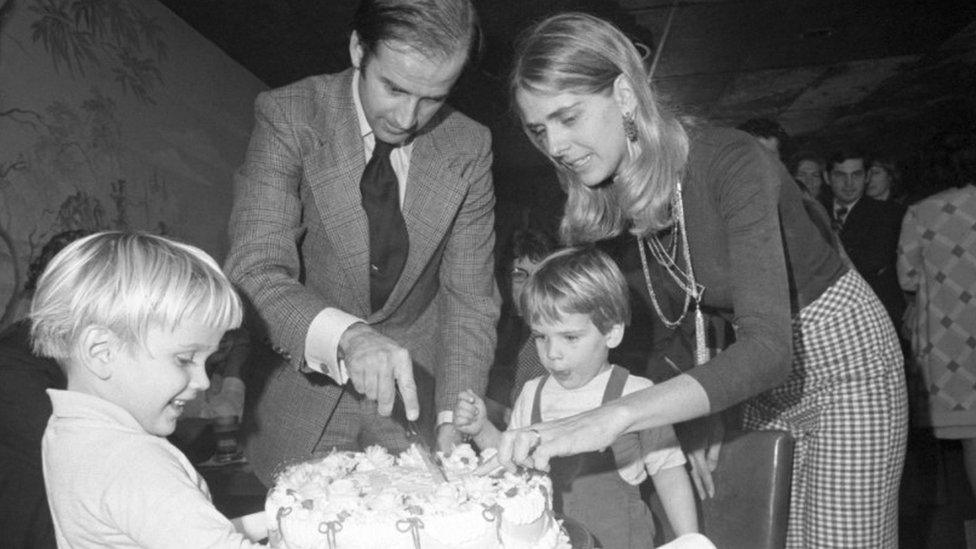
(469, 413)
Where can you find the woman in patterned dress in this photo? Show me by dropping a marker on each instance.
(814, 354)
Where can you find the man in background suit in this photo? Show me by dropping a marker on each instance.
(305, 248)
(868, 228)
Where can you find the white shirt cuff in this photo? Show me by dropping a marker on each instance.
(445, 416)
(322, 342)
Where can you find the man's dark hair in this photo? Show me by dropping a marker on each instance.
(435, 28)
(531, 243)
(840, 155)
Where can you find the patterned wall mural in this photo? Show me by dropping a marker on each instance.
(114, 114)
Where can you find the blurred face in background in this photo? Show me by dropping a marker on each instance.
(810, 174)
(879, 183)
(771, 143)
(847, 180)
(522, 268)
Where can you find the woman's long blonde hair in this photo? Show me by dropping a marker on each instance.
(583, 54)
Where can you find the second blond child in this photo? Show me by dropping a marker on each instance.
(576, 305)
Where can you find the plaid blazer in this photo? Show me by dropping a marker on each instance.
(299, 243)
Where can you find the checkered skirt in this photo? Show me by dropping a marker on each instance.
(845, 403)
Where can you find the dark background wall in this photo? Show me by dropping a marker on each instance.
(881, 74)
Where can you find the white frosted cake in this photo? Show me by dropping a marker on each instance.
(373, 500)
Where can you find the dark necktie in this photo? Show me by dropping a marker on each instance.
(388, 242)
(839, 215)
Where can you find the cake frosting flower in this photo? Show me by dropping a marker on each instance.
(377, 457)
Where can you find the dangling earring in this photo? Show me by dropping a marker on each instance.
(630, 127)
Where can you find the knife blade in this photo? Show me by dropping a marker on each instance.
(432, 464)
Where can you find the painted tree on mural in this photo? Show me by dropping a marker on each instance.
(79, 34)
(69, 143)
(75, 148)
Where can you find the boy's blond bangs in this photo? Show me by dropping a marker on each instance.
(128, 282)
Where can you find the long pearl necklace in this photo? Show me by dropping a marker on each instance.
(684, 278)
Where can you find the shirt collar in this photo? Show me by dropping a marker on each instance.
(838, 205)
(73, 405)
(364, 129)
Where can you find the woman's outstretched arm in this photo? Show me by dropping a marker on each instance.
(673, 401)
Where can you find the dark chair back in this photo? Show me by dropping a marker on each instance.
(751, 506)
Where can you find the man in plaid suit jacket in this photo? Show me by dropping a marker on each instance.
(300, 241)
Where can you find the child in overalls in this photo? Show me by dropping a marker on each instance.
(576, 304)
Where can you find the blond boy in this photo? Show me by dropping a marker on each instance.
(576, 305)
(131, 318)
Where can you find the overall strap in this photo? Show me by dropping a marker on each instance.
(588, 487)
(626, 449)
(615, 386)
(536, 412)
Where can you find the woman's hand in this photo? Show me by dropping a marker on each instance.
(533, 446)
(703, 463)
(702, 440)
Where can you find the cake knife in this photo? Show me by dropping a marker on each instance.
(415, 438)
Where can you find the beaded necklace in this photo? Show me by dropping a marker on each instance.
(667, 257)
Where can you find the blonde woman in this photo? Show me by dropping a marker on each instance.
(720, 224)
